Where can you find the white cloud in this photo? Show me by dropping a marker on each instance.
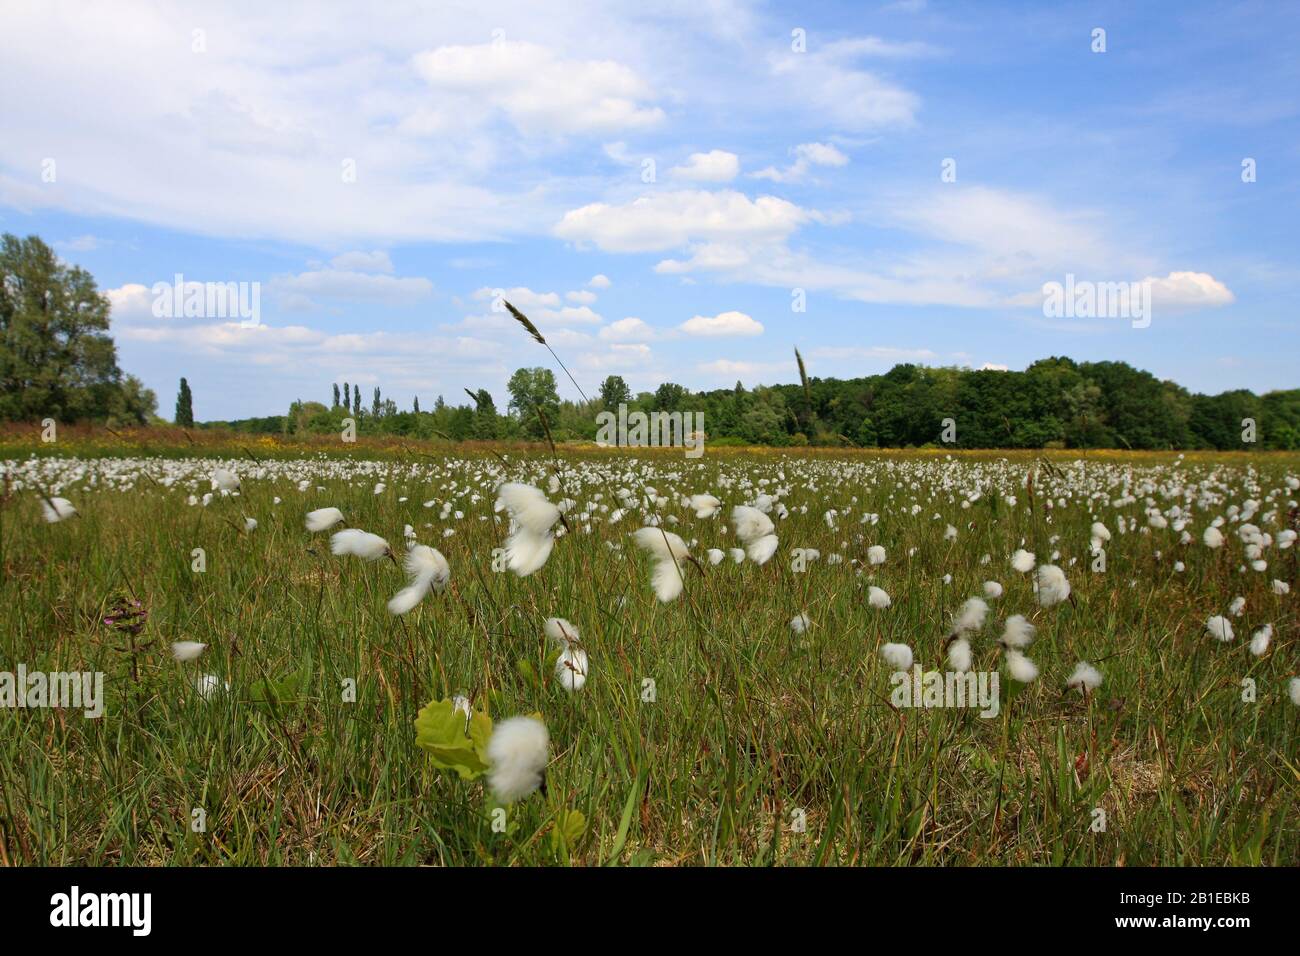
(542, 308)
(634, 356)
(539, 91)
(521, 297)
(672, 219)
(1189, 290)
(842, 95)
(581, 296)
(807, 155)
(715, 166)
(630, 329)
(724, 323)
(599, 282)
(130, 303)
(993, 367)
(305, 288)
(377, 261)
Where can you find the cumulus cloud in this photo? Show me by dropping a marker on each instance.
(1189, 290)
(630, 329)
(722, 324)
(539, 91)
(130, 303)
(672, 219)
(715, 166)
(542, 308)
(521, 297)
(806, 156)
(599, 282)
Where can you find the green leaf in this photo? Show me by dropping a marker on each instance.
(279, 692)
(526, 671)
(453, 742)
(569, 827)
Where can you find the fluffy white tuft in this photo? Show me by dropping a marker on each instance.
(992, 590)
(1021, 668)
(750, 523)
(706, 506)
(1085, 676)
(209, 684)
(427, 571)
(561, 632)
(800, 622)
(528, 506)
(959, 655)
(668, 551)
(1260, 640)
(877, 597)
(1219, 627)
(530, 541)
(1018, 633)
(1023, 561)
(571, 668)
(517, 753)
(897, 656)
(224, 480)
(362, 544)
(971, 616)
(55, 510)
(761, 550)
(187, 650)
(323, 518)
(1052, 586)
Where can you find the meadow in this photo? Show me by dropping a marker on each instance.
(745, 720)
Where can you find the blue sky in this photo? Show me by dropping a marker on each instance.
(509, 146)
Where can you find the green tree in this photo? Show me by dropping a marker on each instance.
(336, 396)
(356, 399)
(486, 425)
(614, 392)
(185, 406)
(531, 389)
(56, 357)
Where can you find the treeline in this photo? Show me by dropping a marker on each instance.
(1055, 403)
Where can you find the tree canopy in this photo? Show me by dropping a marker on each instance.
(56, 357)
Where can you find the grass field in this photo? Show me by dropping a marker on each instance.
(761, 745)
